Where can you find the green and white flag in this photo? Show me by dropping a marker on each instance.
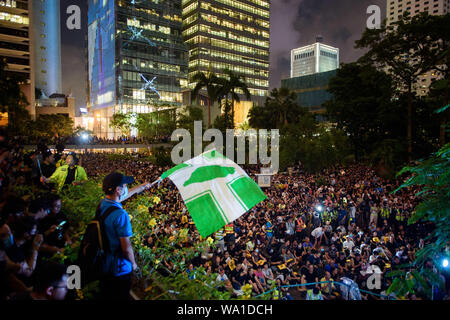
(216, 190)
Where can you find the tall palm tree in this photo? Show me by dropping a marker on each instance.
(283, 102)
(234, 82)
(213, 87)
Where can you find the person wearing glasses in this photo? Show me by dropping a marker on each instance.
(50, 284)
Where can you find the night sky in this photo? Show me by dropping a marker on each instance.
(294, 23)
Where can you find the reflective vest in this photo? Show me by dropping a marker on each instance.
(300, 225)
(60, 163)
(384, 213)
(311, 296)
(60, 175)
(326, 216)
(399, 216)
(229, 229)
(334, 215)
(276, 294)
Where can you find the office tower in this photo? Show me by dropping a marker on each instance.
(137, 61)
(314, 58)
(15, 45)
(46, 37)
(232, 34)
(396, 8)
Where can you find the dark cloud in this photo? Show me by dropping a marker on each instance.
(295, 23)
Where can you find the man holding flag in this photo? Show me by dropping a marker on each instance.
(116, 226)
(216, 192)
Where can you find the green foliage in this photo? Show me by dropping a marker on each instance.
(80, 202)
(233, 83)
(316, 149)
(361, 106)
(433, 177)
(51, 125)
(302, 138)
(161, 122)
(188, 116)
(407, 49)
(224, 121)
(214, 88)
(280, 110)
(121, 122)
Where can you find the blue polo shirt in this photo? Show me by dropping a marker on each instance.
(117, 225)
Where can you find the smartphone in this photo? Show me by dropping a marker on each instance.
(60, 225)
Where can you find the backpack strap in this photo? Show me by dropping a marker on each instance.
(103, 240)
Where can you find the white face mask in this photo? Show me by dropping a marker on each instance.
(124, 194)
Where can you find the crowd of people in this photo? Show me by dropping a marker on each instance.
(314, 231)
(87, 139)
(352, 226)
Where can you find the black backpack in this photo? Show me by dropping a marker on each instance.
(94, 247)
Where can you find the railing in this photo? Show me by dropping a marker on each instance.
(327, 282)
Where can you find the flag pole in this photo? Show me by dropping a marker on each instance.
(154, 182)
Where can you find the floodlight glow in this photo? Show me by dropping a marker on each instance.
(84, 136)
(445, 263)
(319, 208)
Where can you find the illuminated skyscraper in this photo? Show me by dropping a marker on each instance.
(46, 36)
(15, 46)
(137, 60)
(231, 34)
(314, 58)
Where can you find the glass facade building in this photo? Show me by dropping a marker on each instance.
(314, 58)
(137, 61)
(232, 34)
(311, 90)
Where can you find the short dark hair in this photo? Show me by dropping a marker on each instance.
(46, 154)
(22, 226)
(52, 197)
(38, 204)
(48, 274)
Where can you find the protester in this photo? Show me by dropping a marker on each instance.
(120, 262)
(283, 242)
(69, 174)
